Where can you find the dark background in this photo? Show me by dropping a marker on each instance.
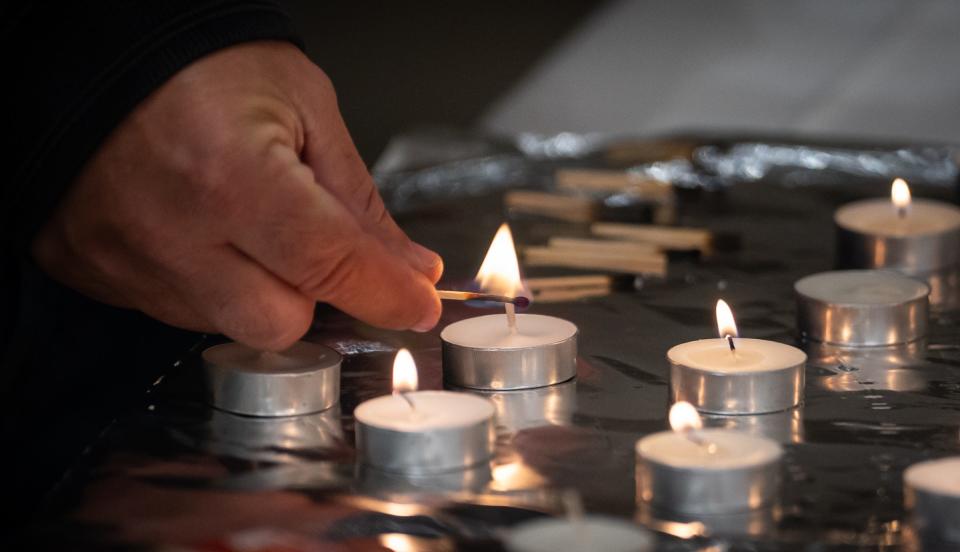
(400, 65)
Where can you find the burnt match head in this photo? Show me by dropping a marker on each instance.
(521, 302)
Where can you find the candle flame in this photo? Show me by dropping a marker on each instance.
(684, 417)
(404, 372)
(900, 194)
(500, 271)
(726, 325)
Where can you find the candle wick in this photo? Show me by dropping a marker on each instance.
(405, 396)
(697, 439)
(573, 507)
(733, 348)
(902, 212)
(511, 317)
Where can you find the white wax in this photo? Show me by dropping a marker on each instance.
(935, 476)
(752, 355)
(433, 410)
(731, 450)
(879, 217)
(590, 534)
(861, 287)
(301, 357)
(493, 332)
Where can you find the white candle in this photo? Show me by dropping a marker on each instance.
(433, 410)
(507, 351)
(732, 375)
(492, 332)
(878, 217)
(918, 237)
(724, 450)
(590, 534)
(751, 356)
(932, 495)
(696, 470)
(423, 431)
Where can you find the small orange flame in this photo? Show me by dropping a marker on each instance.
(726, 325)
(500, 271)
(900, 194)
(404, 372)
(684, 417)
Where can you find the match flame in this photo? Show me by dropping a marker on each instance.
(725, 322)
(404, 372)
(900, 194)
(500, 271)
(684, 417)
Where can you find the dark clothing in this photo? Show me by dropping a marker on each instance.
(71, 73)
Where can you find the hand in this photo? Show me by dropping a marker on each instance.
(231, 200)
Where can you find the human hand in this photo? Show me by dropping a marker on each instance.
(231, 200)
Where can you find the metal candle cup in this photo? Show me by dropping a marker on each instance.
(931, 492)
(482, 352)
(861, 308)
(674, 473)
(445, 431)
(303, 379)
(760, 376)
(870, 234)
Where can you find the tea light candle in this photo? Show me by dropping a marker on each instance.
(706, 471)
(915, 237)
(303, 379)
(423, 432)
(931, 492)
(861, 308)
(589, 534)
(507, 351)
(732, 375)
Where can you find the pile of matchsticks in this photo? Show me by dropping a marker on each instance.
(614, 253)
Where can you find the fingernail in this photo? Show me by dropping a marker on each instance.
(424, 325)
(427, 322)
(427, 260)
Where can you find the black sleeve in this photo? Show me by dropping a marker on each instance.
(73, 70)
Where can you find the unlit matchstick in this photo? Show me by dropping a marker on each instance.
(519, 301)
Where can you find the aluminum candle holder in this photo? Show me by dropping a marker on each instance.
(480, 353)
(300, 380)
(861, 243)
(445, 431)
(861, 308)
(768, 377)
(678, 475)
(931, 492)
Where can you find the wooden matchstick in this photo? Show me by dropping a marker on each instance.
(564, 207)
(666, 237)
(568, 282)
(647, 263)
(611, 247)
(519, 301)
